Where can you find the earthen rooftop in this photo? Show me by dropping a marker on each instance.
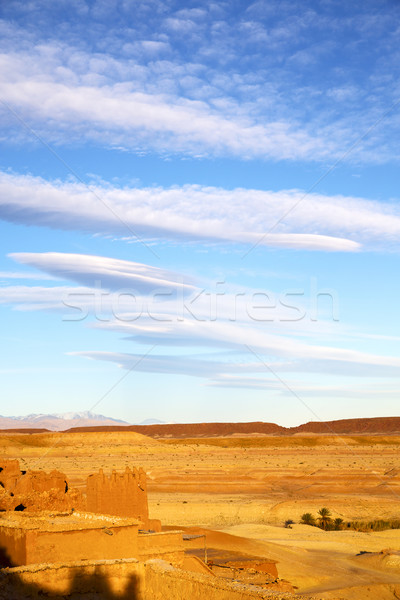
(62, 522)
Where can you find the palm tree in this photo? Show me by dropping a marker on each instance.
(324, 518)
(338, 523)
(307, 519)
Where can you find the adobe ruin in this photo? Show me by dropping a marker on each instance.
(35, 490)
(120, 494)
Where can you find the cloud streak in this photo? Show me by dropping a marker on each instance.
(200, 213)
(148, 305)
(239, 335)
(219, 373)
(110, 273)
(304, 389)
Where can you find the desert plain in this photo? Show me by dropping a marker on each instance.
(239, 490)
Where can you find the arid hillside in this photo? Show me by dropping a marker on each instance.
(376, 425)
(192, 430)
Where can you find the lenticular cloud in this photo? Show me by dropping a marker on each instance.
(110, 273)
(285, 219)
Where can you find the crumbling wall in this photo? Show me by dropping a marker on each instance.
(120, 494)
(35, 490)
(39, 482)
(14, 480)
(9, 473)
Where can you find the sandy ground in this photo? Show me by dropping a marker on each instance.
(320, 564)
(329, 563)
(247, 488)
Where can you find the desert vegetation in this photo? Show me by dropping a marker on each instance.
(325, 521)
(375, 525)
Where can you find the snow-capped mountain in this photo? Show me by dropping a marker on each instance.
(58, 421)
(152, 422)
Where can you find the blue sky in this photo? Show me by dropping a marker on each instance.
(199, 209)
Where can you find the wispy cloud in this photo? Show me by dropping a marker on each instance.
(25, 297)
(307, 390)
(219, 373)
(175, 365)
(148, 305)
(165, 305)
(176, 321)
(237, 335)
(199, 213)
(111, 273)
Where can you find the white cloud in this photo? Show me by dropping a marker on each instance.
(118, 114)
(24, 297)
(288, 218)
(111, 273)
(232, 89)
(221, 373)
(154, 363)
(144, 307)
(164, 305)
(161, 328)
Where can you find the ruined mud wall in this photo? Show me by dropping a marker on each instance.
(9, 473)
(124, 580)
(40, 482)
(16, 481)
(35, 490)
(120, 494)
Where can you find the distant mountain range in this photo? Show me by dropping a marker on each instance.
(58, 421)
